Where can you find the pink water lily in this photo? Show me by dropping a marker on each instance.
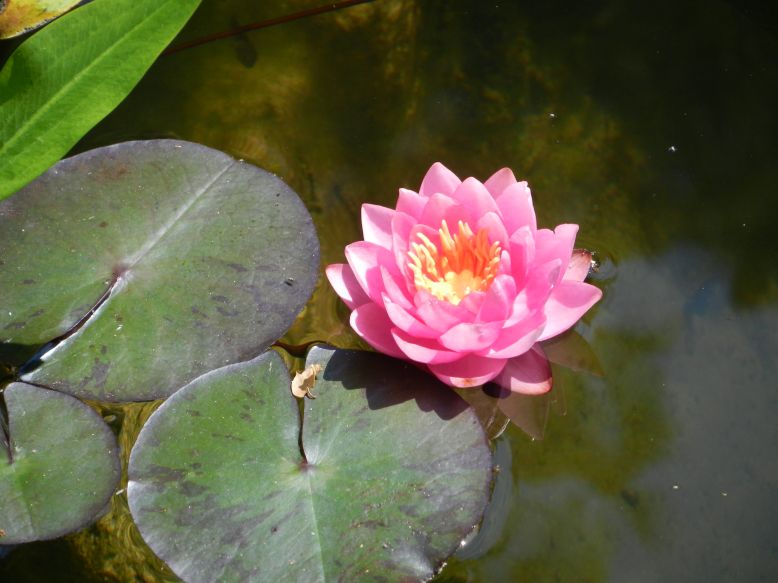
(459, 279)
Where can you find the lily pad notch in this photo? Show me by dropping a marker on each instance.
(135, 268)
(382, 477)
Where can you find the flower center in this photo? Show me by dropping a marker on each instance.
(463, 263)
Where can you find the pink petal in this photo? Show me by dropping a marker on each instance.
(492, 222)
(472, 302)
(373, 325)
(396, 286)
(505, 262)
(476, 199)
(422, 350)
(365, 258)
(499, 181)
(532, 298)
(498, 300)
(439, 314)
(522, 247)
(442, 207)
(520, 309)
(515, 205)
(517, 339)
(377, 224)
(406, 322)
(469, 337)
(439, 179)
(556, 245)
(468, 371)
(344, 283)
(537, 289)
(579, 265)
(431, 233)
(529, 373)
(568, 302)
(411, 203)
(402, 225)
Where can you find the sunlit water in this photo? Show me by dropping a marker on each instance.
(653, 127)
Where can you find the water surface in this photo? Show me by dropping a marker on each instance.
(652, 125)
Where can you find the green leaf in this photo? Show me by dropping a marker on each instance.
(196, 260)
(396, 471)
(20, 16)
(60, 469)
(65, 78)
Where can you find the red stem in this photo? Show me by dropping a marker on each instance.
(263, 24)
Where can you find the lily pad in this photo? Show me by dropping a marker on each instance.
(20, 16)
(140, 266)
(381, 478)
(59, 469)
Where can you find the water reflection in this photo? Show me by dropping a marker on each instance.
(669, 457)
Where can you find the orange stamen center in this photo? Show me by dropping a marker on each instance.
(461, 264)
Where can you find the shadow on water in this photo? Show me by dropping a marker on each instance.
(49, 561)
(14, 355)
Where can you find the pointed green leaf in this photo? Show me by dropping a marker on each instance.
(68, 76)
(396, 471)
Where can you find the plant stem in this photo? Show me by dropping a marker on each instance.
(264, 24)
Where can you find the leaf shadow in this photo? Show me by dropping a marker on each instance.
(388, 381)
(14, 355)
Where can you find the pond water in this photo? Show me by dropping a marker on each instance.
(652, 126)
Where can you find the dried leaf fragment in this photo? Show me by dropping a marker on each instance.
(20, 16)
(303, 382)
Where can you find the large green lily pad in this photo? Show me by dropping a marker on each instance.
(195, 259)
(389, 472)
(59, 469)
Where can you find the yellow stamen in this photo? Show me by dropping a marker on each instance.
(461, 264)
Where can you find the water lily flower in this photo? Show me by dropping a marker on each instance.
(459, 279)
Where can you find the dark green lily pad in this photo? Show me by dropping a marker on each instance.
(395, 472)
(60, 468)
(196, 261)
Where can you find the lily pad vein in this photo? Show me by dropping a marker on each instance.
(315, 524)
(168, 226)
